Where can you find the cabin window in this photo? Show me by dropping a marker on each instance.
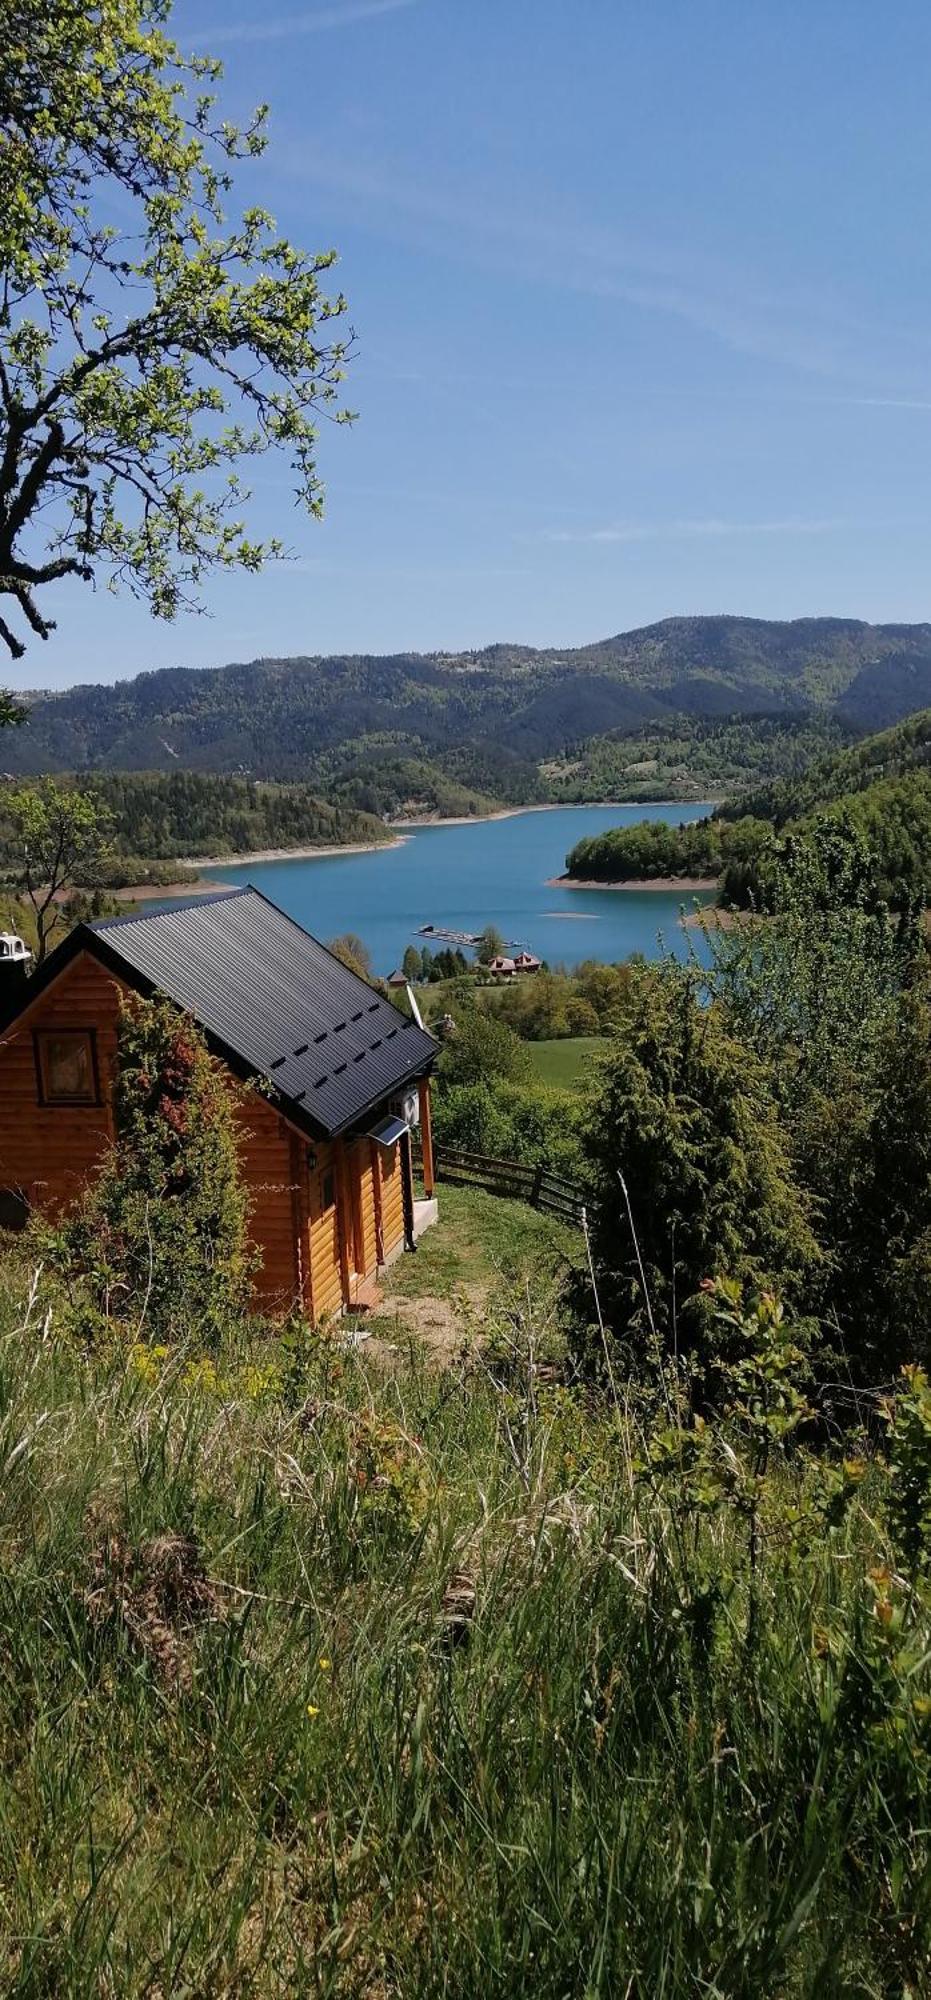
(67, 1067)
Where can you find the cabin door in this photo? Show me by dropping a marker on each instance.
(362, 1209)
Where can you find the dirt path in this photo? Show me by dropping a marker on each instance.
(443, 1326)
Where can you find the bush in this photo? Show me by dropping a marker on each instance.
(158, 1242)
(681, 1116)
(882, 1280)
(481, 1049)
(531, 1123)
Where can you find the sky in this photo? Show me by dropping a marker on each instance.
(641, 295)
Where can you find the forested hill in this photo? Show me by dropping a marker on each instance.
(880, 787)
(895, 753)
(161, 816)
(487, 720)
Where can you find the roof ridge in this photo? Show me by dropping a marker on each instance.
(171, 905)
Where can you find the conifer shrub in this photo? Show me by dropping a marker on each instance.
(158, 1243)
(829, 993)
(688, 1172)
(882, 1279)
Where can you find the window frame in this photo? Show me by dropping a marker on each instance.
(52, 1100)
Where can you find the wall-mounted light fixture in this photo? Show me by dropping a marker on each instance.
(311, 1159)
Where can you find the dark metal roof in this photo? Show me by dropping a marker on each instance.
(270, 995)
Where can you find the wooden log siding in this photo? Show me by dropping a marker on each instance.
(377, 1201)
(325, 1261)
(361, 1177)
(392, 1199)
(49, 1151)
(306, 1243)
(267, 1167)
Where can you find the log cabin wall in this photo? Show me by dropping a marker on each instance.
(268, 1169)
(323, 1208)
(361, 1177)
(49, 1151)
(343, 1200)
(392, 1203)
(318, 1228)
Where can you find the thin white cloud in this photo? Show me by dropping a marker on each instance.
(889, 402)
(280, 27)
(808, 329)
(713, 527)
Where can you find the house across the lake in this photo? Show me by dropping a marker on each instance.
(342, 1076)
(503, 967)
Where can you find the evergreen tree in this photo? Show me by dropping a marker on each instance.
(680, 1124)
(883, 1278)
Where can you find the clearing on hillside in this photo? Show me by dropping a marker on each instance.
(565, 1063)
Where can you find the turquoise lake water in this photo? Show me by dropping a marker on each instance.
(488, 872)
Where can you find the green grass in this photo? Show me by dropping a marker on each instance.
(566, 1064)
(482, 1241)
(317, 1678)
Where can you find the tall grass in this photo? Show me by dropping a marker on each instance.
(322, 1677)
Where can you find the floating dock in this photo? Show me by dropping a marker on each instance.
(444, 936)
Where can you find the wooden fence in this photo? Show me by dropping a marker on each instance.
(536, 1185)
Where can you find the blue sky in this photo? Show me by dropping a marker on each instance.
(641, 297)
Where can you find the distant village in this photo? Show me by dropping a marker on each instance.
(451, 964)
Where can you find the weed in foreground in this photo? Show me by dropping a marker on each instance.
(321, 1678)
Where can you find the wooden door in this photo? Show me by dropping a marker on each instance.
(362, 1206)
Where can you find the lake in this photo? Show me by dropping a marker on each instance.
(487, 872)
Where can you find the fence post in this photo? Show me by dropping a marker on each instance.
(537, 1185)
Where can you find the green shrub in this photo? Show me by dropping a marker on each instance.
(158, 1242)
(532, 1123)
(680, 1124)
(481, 1049)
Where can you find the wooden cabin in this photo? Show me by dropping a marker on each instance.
(326, 1138)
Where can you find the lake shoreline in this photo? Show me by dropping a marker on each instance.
(261, 854)
(205, 882)
(668, 885)
(548, 805)
(202, 884)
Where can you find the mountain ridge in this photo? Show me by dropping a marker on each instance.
(487, 718)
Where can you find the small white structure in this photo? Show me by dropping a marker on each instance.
(13, 947)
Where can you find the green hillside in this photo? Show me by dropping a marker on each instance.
(901, 752)
(160, 816)
(509, 723)
(881, 786)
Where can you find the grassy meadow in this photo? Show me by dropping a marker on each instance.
(564, 1064)
(383, 1670)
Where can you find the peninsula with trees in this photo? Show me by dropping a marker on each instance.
(879, 787)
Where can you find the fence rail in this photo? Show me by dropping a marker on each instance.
(536, 1185)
